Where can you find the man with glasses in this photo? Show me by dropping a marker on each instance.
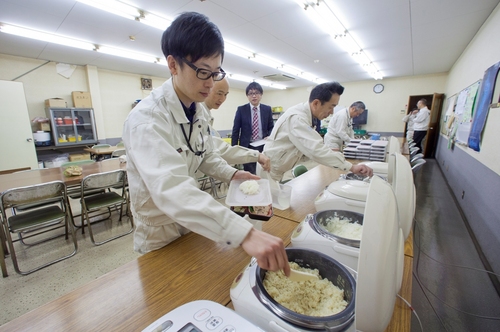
(340, 129)
(252, 123)
(167, 138)
(232, 154)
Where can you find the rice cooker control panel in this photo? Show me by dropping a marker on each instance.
(201, 316)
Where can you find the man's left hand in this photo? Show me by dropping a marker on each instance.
(244, 175)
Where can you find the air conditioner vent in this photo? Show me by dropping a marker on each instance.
(279, 77)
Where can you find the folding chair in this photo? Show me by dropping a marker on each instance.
(38, 220)
(118, 152)
(109, 199)
(298, 170)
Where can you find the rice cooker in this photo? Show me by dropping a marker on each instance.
(202, 316)
(41, 138)
(351, 195)
(370, 298)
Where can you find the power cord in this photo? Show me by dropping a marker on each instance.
(413, 311)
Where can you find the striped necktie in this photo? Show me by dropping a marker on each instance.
(255, 124)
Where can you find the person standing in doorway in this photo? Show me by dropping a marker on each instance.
(408, 118)
(421, 123)
(252, 122)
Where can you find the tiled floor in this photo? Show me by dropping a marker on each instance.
(451, 291)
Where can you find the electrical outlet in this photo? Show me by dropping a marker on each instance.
(402, 111)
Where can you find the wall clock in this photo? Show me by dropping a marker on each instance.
(378, 88)
(146, 84)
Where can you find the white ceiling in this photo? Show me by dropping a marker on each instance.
(402, 37)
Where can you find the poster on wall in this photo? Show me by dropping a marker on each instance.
(483, 106)
(463, 113)
(448, 116)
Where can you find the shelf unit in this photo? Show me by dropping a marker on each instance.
(72, 126)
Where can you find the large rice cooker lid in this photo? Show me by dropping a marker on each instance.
(353, 189)
(381, 259)
(404, 189)
(379, 167)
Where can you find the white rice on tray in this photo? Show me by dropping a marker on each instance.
(318, 298)
(344, 228)
(249, 187)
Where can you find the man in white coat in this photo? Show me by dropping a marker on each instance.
(421, 123)
(294, 134)
(232, 154)
(340, 129)
(167, 138)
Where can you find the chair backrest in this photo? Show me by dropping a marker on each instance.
(45, 192)
(78, 163)
(105, 180)
(118, 152)
(416, 157)
(298, 170)
(417, 165)
(120, 145)
(98, 146)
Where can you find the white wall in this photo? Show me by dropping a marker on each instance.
(384, 108)
(481, 53)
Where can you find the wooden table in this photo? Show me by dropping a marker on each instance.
(134, 295)
(43, 175)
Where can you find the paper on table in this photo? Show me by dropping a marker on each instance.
(258, 143)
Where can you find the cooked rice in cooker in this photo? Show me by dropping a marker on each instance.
(249, 187)
(344, 228)
(312, 297)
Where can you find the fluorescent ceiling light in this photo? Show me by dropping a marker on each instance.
(47, 37)
(156, 21)
(260, 81)
(114, 7)
(322, 13)
(127, 54)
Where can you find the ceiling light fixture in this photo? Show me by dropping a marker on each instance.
(247, 79)
(46, 37)
(322, 13)
(62, 40)
(156, 21)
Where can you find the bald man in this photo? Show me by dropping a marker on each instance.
(232, 154)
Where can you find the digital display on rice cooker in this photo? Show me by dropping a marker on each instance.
(190, 328)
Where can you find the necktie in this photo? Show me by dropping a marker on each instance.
(255, 125)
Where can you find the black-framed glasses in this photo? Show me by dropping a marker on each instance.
(254, 93)
(204, 74)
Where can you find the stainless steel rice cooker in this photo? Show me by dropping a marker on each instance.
(253, 302)
(351, 195)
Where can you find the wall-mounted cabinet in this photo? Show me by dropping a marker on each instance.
(72, 126)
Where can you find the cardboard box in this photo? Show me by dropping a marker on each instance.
(55, 103)
(41, 126)
(81, 99)
(79, 156)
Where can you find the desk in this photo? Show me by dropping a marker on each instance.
(43, 175)
(134, 295)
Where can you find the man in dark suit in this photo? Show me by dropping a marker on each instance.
(252, 122)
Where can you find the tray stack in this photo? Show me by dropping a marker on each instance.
(366, 150)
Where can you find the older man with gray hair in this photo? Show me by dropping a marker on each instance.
(340, 129)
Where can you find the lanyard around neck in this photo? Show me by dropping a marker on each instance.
(188, 139)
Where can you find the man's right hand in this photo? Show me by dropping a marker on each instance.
(265, 162)
(269, 251)
(362, 170)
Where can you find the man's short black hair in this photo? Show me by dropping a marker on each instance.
(254, 86)
(359, 106)
(324, 91)
(192, 35)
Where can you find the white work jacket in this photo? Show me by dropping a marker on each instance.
(161, 168)
(421, 121)
(231, 154)
(339, 130)
(292, 137)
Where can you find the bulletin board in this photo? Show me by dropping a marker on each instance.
(464, 108)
